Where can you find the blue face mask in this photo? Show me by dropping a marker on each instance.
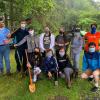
(93, 30)
(91, 50)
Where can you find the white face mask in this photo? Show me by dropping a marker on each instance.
(92, 49)
(1, 28)
(77, 34)
(61, 54)
(23, 25)
(31, 32)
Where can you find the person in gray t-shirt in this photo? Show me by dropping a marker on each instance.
(31, 39)
(76, 48)
(32, 43)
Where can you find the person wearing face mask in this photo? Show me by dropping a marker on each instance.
(47, 41)
(92, 36)
(76, 48)
(91, 65)
(32, 42)
(65, 67)
(61, 41)
(50, 66)
(4, 48)
(18, 35)
(35, 62)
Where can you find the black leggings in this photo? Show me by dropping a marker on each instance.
(31, 59)
(21, 61)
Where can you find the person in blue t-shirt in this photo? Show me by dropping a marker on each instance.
(4, 48)
(91, 65)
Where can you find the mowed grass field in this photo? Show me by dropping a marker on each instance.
(15, 88)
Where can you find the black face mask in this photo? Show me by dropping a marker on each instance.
(61, 32)
(36, 53)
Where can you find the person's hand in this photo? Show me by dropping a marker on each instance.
(56, 44)
(15, 45)
(36, 49)
(60, 72)
(28, 65)
(49, 74)
(9, 35)
(67, 43)
(6, 41)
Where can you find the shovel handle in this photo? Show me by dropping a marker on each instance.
(26, 55)
(30, 76)
(29, 68)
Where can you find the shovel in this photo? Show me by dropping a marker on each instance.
(32, 86)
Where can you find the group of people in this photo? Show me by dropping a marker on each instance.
(91, 57)
(48, 54)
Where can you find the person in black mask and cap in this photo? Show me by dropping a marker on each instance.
(61, 41)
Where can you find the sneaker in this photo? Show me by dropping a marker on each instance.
(56, 83)
(94, 89)
(34, 78)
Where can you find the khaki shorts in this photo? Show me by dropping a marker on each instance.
(89, 72)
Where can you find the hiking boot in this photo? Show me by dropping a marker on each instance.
(94, 89)
(56, 83)
(34, 78)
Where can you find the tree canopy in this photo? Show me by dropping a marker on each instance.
(52, 13)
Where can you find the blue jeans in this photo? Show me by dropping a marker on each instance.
(4, 53)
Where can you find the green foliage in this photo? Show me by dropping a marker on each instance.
(52, 13)
(38, 7)
(15, 88)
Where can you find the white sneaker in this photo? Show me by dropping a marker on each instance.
(56, 83)
(34, 78)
